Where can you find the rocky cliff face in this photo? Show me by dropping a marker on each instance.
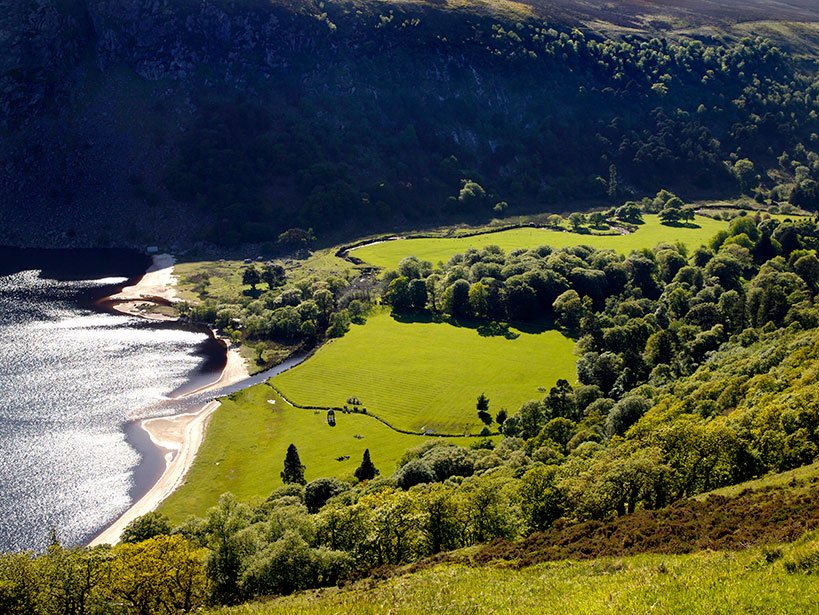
(95, 93)
(40, 41)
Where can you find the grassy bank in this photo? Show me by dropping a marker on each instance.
(427, 375)
(708, 582)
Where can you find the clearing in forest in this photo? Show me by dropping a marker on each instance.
(426, 376)
(388, 254)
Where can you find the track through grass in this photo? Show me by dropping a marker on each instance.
(422, 376)
(247, 438)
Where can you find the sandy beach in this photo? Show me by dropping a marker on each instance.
(179, 435)
(155, 287)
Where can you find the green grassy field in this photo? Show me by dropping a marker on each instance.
(707, 582)
(247, 438)
(420, 376)
(389, 253)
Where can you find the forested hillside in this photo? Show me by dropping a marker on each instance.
(233, 122)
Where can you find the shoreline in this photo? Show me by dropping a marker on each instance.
(178, 435)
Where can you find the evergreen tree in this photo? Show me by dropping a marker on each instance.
(293, 468)
(483, 409)
(366, 471)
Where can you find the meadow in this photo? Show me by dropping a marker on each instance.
(388, 254)
(421, 376)
(706, 582)
(247, 438)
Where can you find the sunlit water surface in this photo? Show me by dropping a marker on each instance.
(71, 379)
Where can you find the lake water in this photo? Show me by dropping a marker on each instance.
(73, 381)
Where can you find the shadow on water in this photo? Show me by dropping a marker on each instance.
(71, 265)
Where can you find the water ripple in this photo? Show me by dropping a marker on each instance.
(71, 379)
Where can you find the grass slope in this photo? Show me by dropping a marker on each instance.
(708, 582)
(389, 253)
(247, 438)
(754, 550)
(426, 375)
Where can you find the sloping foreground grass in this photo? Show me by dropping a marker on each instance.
(420, 376)
(760, 514)
(247, 438)
(707, 582)
(389, 253)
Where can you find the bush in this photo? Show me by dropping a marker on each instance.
(414, 473)
(145, 527)
(317, 492)
(625, 413)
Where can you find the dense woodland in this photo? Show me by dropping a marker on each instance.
(697, 370)
(525, 113)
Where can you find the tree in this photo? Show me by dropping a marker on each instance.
(326, 303)
(471, 193)
(339, 324)
(479, 299)
(417, 291)
(597, 219)
(500, 207)
(613, 187)
(687, 214)
(456, 299)
(483, 409)
(398, 294)
(414, 473)
(745, 174)
(251, 277)
(673, 211)
(560, 400)
(629, 212)
(165, 574)
(441, 525)
(625, 413)
(500, 418)
(293, 469)
(542, 502)
(317, 492)
(70, 581)
(297, 238)
(569, 309)
(225, 523)
(145, 527)
(274, 275)
(367, 470)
